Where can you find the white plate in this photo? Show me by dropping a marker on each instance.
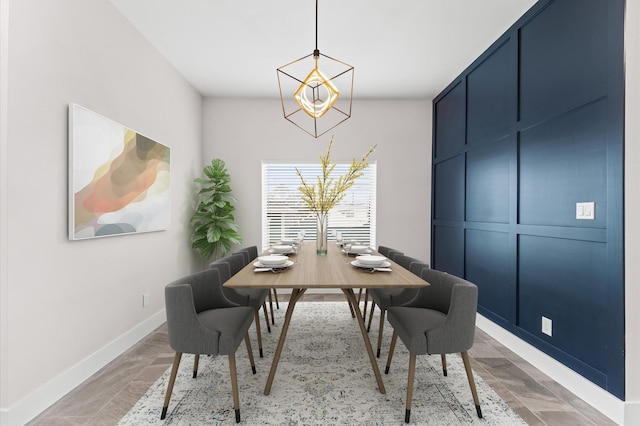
(286, 264)
(384, 264)
(358, 252)
(282, 248)
(277, 253)
(272, 260)
(370, 260)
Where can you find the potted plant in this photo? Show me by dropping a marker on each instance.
(214, 230)
(327, 192)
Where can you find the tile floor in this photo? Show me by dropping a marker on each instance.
(108, 395)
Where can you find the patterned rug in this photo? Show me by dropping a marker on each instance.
(324, 378)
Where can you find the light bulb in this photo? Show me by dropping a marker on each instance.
(316, 95)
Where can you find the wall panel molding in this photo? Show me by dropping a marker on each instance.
(542, 115)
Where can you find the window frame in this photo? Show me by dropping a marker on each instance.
(343, 217)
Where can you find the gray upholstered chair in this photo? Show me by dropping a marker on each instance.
(201, 320)
(251, 254)
(441, 319)
(252, 251)
(236, 262)
(384, 250)
(243, 297)
(404, 261)
(385, 298)
(392, 254)
(389, 253)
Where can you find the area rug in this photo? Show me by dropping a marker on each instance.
(324, 378)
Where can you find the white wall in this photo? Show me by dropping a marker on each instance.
(245, 132)
(632, 207)
(69, 307)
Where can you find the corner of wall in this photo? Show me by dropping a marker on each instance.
(632, 204)
(632, 413)
(4, 290)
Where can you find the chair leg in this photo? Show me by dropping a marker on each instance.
(373, 306)
(196, 361)
(412, 372)
(364, 309)
(266, 316)
(472, 383)
(234, 386)
(250, 352)
(444, 364)
(366, 300)
(275, 296)
(359, 295)
(256, 319)
(271, 309)
(382, 312)
(172, 380)
(392, 347)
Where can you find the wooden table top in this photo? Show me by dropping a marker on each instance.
(331, 271)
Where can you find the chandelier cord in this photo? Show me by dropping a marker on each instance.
(316, 52)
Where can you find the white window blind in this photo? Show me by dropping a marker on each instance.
(284, 213)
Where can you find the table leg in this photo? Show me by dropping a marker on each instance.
(351, 297)
(353, 313)
(296, 294)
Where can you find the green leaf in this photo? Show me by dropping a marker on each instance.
(213, 230)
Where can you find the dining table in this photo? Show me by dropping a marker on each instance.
(335, 270)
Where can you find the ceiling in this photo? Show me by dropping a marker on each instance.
(400, 49)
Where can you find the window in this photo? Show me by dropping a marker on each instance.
(284, 213)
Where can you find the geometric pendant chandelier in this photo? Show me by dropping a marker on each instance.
(316, 91)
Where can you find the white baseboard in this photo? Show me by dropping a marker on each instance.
(612, 407)
(43, 397)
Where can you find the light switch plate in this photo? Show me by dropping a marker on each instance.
(547, 326)
(586, 210)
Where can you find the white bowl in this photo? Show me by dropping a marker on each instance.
(358, 249)
(372, 261)
(288, 242)
(281, 248)
(273, 261)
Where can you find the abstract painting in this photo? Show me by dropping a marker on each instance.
(119, 180)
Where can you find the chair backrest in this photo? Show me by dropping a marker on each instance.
(223, 269)
(231, 294)
(252, 251)
(383, 250)
(236, 262)
(244, 254)
(206, 290)
(405, 261)
(438, 294)
(417, 267)
(392, 254)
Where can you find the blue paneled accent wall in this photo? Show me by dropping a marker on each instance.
(529, 129)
